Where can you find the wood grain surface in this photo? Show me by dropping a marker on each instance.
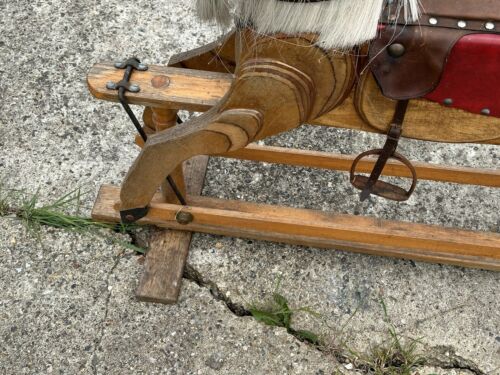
(320, 229)
(161, 280)
(367, 110)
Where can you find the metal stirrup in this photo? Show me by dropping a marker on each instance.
(372, 185)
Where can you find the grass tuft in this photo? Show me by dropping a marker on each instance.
(395, 356)
(276, 312)
(63, 213)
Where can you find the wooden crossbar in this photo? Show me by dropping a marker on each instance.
(320, 229)
(198, 90)
(340, 162)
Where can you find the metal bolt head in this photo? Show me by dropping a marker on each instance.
(111, 85)
(134, 88)
(433, 21)
(489, 26)
(448, 101)
(485, 111)
(184, 218)
(462, 24)
(119, 65)
(396, 50)
(142, 67)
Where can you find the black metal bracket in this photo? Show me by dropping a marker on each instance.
(129, 65)
(134, 62)
(131, 216)
(123, 86)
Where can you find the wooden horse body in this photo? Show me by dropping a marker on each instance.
(436, 78)
(284, 81)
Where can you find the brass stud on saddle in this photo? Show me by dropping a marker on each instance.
(489, 26)
(396, 50)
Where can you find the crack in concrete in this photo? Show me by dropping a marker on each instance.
(443, 357)
(100, 336)
(190, 273)
(446, 358)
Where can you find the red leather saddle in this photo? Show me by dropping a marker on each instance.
(452, 56)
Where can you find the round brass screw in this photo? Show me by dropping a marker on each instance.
(184, 218)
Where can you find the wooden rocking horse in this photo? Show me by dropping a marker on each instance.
(427, 70)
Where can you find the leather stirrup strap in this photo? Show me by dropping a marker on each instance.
(372, 184)
(389, 149)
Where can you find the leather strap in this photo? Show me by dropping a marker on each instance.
(389, 149)
(372, 184)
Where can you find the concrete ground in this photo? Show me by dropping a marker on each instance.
(67, 300)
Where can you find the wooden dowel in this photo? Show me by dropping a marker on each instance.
(162, 119)
(339, 162)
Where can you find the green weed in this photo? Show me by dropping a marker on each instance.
(63, 213)
(394, 356)
(276, 312)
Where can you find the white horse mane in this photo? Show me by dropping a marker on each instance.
(340, 23)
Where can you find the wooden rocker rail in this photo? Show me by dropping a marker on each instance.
(318, 229)
(193, 90)
(339, 162)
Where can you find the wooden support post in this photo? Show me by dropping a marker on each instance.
(168, 249)
(163, 119)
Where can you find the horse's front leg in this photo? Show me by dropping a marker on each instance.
(282, 88)
(209, 134)
(259, 104)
